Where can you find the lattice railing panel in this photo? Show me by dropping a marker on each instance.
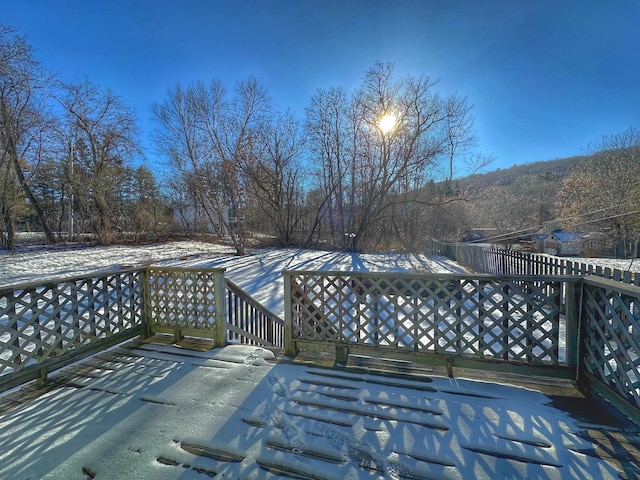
(38, 322)
(611, 337)
(509, 319)
(182, 298)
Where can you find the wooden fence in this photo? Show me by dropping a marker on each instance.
(45, 326)
(495, 261)
(581, 328)
(610, 346)
(183, 302)
(250, 322)
(519, 321)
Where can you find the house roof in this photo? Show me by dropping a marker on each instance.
(568, 236)
(160, 412)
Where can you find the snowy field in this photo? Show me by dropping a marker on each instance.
(624, 264)
(258, 273)
(40, 263)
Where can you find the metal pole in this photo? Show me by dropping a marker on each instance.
(71, 192)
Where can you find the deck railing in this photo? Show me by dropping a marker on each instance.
(183, 302)
(567, 327)
(520, 320)
(249, 322)
(496, 261)
(45, 326)
(581, 328)
(610, 340)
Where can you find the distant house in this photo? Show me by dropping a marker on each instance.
(563, 243)
(557, 242)
(537, 242)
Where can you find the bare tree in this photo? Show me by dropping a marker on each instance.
(275, 176)
(330, 132)
(381, 144)
(459, 133)
(23, 123)
(207, 137)
(105, 141)
(602, 195)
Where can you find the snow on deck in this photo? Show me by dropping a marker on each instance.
(160, 412)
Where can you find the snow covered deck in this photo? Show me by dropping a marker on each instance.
(152, 411)
(157, 411)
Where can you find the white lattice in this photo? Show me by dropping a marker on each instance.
(611, 339)
(511, 319)
(41, 322)
(182, 298)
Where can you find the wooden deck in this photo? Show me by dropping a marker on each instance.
(316, 394)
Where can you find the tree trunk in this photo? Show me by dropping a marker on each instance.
(8, 237)
(13, 154)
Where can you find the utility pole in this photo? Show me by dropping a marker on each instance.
(70, 192)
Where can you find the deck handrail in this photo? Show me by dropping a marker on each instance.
(425, 313)
(248, 321)
(497, 261)
(500, 323)
(47, 325)
(483, 321)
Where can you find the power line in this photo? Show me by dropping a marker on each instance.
(517, 233)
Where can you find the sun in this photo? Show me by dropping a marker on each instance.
(387, 123)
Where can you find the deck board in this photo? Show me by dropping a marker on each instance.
(327, 402)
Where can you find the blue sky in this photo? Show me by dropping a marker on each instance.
(546, 77)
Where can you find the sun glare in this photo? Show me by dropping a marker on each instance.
(387, 123)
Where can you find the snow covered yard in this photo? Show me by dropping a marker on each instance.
(159, 412)
(40, 263)
(258, 272)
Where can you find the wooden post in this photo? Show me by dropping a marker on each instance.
(75, 312)
(220, 335)
(57, 317)
(177, 335)
(574, 307)
(289, 344)
(342, 354)
(145, 301)
(505, 322)
(13, 321)
(482, 345)
(416, 324)
(42, 377)
(529, 340)
(456, 286)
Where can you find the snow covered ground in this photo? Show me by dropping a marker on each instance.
(39, 263)
(258, 273)
(624, 264)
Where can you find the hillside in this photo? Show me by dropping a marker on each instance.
(505, 176)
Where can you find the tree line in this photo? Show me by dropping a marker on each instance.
(599, 196)
(347, 175)
(68, 148)
(374, 168)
